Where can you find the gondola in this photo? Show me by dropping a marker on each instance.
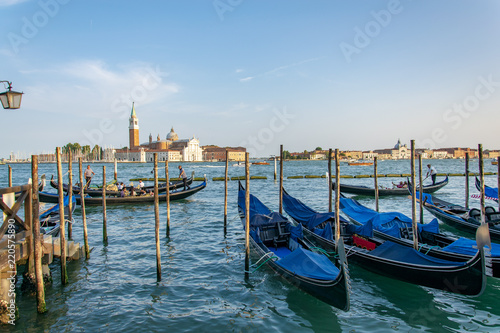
(289, 255)
(397, 227)
(50, 219)
(130, 199)
(389, 258)
(490, 193)
(97, 192)
(461, 218)
(370, 191)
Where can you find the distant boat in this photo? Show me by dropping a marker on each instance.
(260, 163)
(360, 163)
(494, 162)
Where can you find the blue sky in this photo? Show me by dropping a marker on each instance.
(353, 75)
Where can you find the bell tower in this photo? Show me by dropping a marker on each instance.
(133, 129)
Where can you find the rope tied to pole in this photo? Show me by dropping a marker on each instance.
(326, 253)
(269, 255)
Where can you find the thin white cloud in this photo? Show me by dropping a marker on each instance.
(5, 3)
(92, 88)
(247, 79)
(280, 68)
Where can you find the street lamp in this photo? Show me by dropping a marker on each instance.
(10, 99)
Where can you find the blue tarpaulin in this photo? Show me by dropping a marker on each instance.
(256, 206)
(296, 232)
(426, 197)
(326, 232)
(304, 214)
(389, 223)
(432, 226)
(309, 264)
(56, 207)
(393, 251)
(469, 247)
(362, 214)
(361, 230)
(491, 192)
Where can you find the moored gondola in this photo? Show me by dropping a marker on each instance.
(389, 258)
(490, 193)
(50, 219)
(273, 238)
(461, 218)
(397, 227)
(370, 191)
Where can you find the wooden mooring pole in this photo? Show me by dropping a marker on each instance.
(481, 178)
(157, 220)
(70, 195)
(375, 181)
(62, 235)
(337, 198)
(84, 216)
(247, 215)
(37, 241)
(275, 168)
(104, 214)
(498, 181)
(330, 208)
(225, 194)
(168, 198)
(420, 188)
(10, 176)
(116, 171)
(414, 197)
(281, 181)
(467, 180)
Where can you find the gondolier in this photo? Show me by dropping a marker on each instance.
(182, 174)
(431, 171)
(88, 175)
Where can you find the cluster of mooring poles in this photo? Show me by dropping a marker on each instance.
(28, 246)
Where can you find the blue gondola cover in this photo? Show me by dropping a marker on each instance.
(391, 250)
(469, 247)
(326, 232)
(56, 207)
(309, 264)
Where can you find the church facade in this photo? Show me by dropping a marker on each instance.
(171, 148)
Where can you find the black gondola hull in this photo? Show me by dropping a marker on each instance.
(465, 280)
(363, 190)
(96, 201)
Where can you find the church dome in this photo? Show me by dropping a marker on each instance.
(172, 136)
(398, 145)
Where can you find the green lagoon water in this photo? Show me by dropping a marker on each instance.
(203, 287)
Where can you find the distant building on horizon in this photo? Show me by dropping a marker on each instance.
(171, 148)
(214, 153)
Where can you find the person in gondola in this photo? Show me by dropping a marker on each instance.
(182, 174)
(431, 171)
(401, 184)
(141, 187)
(88, 175)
